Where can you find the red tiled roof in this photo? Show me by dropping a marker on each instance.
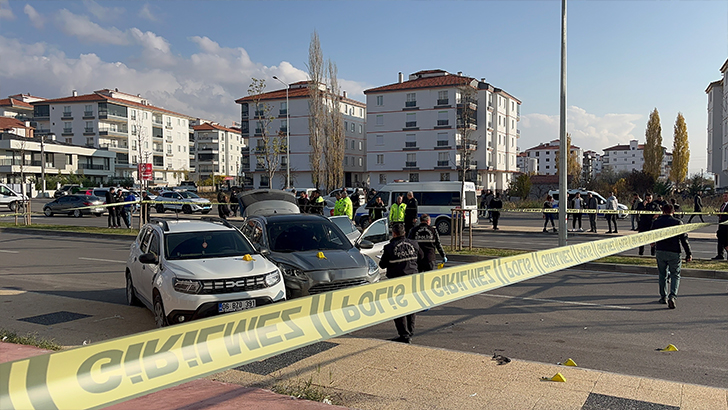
(448, 80)
(12, 102)
(209, 127)
(302, 92)
(95, 97)
(546, 146)
(623, 147)
(9, 123)
(544, 179)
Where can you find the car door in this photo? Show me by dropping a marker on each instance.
(253, 230)
(63, 204)
(149, 270)
(378, 234)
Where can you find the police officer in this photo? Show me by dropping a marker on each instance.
(410, 213)
(348, 208)
(401, 257)
(316, 204)
(377, 209)
(429, 241)
(396, 211)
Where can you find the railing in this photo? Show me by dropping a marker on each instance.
(410, 124)
(67, 115)
(283, 113)
(443, 143)
(112, 145)
(68, 130)
(443, 102)
(410, 164)
(104, 115)
(410, 144)
(97, 167)
(112, 133)
(88, 114)
(410, 103)
(443, 163)
(88, 130)
(443, 122)
(10, 161)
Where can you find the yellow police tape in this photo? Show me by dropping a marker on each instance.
(109, 372)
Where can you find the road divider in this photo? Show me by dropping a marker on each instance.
(112, 371)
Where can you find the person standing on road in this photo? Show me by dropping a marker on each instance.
(400, 257)
(316, 204)
(548, 216)
(222, 208)
(722, 232)
(494, 207)
(591, 204)
(396, 211)
(355, 198)
(612, 205)
(668, 256)
(145, 208)
(410, 213)
(128, 209)
(111, 199)
(377, 209)
(645, 222)
(303, 203)
(429, 241)
(577, 204)
(488, 198)
(636, 200)
(697, 207)
(339, 204)
(348, 205)
(120, 208)
(234, 202)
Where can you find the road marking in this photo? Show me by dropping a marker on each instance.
(9, 251)
(559, 301)
(101, 260)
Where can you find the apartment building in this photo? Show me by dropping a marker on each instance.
(718, 129)
(546, 154)
(125, 124)
(525, 164)
(415, 130)
(18, 106)
(290, 109)
(591, 164)
(629, 157)
(216, 151)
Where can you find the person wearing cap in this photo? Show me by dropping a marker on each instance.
(429, 241)
(668, 256)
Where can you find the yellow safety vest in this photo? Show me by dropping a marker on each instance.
(396, 212)
(348, 208)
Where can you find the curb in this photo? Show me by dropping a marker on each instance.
(68, 233)
(571, 234)
(611, 267)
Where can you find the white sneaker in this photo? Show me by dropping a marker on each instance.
(581, 230)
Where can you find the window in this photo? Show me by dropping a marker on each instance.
(380, 120)
(169, 148)
(382, 179)
(169, 121)
(284, 125)
(133, 114)
(548, 159)
(353, 144)
(444, 176)
(547, 167)
(442, 119)
(88, 110)
(90, 141)
(380, 140)
(68, 127)
(411, 100)
(411, 120)
(179, 121)
(414, 177)
(410, 141)
(442, 98)
(346, 161)
(69, 140)
(361, 144)
(442, 139)
(66, 111)
(361, 161)
(411, 160)
(133, 145)
(133, 129)
(380, 100)
(346, 125)
(361, 128)
(380, 159)
(89, 126)
(352, 126)
(443, 159)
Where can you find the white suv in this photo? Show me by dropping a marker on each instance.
(187, 202)
(185, 270)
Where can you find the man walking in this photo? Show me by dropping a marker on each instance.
(668, 256)
(722, 233)
(429, 241)
(396, 211)
(410, 213)
(645, 222)
(577, 204)
(612, 217)
(636, 200)
(591, 203)
(495, 205)
(697, 207)
(400, 257)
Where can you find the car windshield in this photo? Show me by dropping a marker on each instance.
(306, 236)
(186, 194)
(199, 245)
(344, 223)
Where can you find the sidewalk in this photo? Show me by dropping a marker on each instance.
(376, 374)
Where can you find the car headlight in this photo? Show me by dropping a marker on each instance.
(372, 266)
(187, 286)
(272, 278)
(293, 271)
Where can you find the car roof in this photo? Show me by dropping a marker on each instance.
(293, 217)
(187, 225)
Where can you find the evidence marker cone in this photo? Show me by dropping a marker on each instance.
(669, 348)
(558, 377)
(570, 362)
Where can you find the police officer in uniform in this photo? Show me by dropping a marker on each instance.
(396, 211)
(400, 257)
(429, 241)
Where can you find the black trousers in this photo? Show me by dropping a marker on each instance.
(593, 222)
(496, 217)
(112, 216)
(722, 235)
(693, 216)
(612, 219)
(405, 326)
(642, 248)
(577, 217)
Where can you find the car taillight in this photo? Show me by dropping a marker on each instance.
(87, 203)
(331, 212)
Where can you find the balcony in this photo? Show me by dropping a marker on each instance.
(169, 153)
(441, 123)
(96, 167)
(114, 133)
(443, 163)
(410, 164)
(410, 144)
(410, 104)
(88, 115)
(208, 150)
(410, 124)
(443, 102)
(114, 145)
(105, 115)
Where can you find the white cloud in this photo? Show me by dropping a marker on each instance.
(588, 131)
(35, 18)
(6, 13)
(146, 13)
(87, 31)
(101, 12)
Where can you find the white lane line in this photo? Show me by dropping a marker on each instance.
(559, 301)
(101, 260)
(9, 251)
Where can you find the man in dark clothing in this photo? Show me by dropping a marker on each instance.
(377, 209)
(355, 199)
(222, 209)
(111, 199)
(488, 197)
(372, 193)
(316, 203)
(400, 257)
(429, 241)
(722, 233)
(697, 207)
(145, 208)
(645, 222)
(495, 205)
(591, 203)
(234, 202)
(410, 213)
(303, 203)
(668, 256)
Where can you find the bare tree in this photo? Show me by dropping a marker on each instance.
(269, 151)
(334, 146)
(466, 124)
(140, 135)
(317, 118)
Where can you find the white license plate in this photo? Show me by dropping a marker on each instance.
(235, 306)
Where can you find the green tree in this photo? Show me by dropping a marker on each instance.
(521, 186)
(653, 145)
(640, 182)
(680, 151)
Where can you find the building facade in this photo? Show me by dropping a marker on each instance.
(438, 126)
(127, 125)
(216, 151)
(718, 129)
(591, 164)
(629, 157)
(525, 164)
(546, 155)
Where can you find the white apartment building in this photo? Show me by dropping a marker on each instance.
(718, 129)
(413, 131)
(297, 112)
(591, 164)
(546, 154)
(18, 106)
(629, 157)
(525, 164)
(125, 124)
(216, 151)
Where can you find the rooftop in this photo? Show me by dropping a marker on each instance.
(297, 90)
(13, 102)
(98, 96)
(426, 79)
(8, 123)
(210, 127)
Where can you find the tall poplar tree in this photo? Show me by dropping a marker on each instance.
(680, 151)
(317, 119)
(653, 145)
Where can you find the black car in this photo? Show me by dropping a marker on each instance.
(68, 190)
(68, 204)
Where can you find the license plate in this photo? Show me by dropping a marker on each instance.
(235, 306)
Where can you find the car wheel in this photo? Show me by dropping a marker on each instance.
(77, 213)
(131, 297)
(443, 226)
(47, 212)
(159, 208)
(206, 212)
(159, 317)
(187, 209)
(13, 206)
(98, 214)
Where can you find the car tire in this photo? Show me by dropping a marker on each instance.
(159, 208)
(206, 212)
(443, 226)
(187, 209)
(131, 297)
(77, 213)
(98, 214)
(14, 206)
(47, 212)
(160, 318)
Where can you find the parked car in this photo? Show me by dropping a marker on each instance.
(12, 199)
(377, 233)
(69, 204)
(267, 202)
(187, 202)
(68, 189)
(185, 270)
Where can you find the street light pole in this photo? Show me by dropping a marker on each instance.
(564, 149)
(288, 135)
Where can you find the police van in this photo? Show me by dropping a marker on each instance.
(436, 198)
(601, 202)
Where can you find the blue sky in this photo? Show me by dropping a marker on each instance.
(624, 57)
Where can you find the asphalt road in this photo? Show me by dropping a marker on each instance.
(602, 320)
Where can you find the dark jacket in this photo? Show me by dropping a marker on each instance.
(410, 212)
(723, 218)
(316, 205)
(376, 211)
(671, 244)
(400, 257)
(495, 204)
(645, 222)
(698, 204)
(428, 239)
(110, 197)
(591, 203)
(303, 204)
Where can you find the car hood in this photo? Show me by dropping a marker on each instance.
(219, 268)
(333, 260)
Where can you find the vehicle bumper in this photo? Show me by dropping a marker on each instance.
(298, 286)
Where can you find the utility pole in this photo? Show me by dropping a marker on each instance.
(564, 150)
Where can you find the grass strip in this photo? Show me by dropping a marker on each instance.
(71, 228)
(30, 340)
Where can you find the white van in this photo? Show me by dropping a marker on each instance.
(601, 202)
(436, 199)
(10, 198)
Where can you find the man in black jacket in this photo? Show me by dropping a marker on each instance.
(722, 233)
(591, 203)
(645, 222)
(410, 213)
(668, 256)
(495, 206)
(400, 257)
(697, 207)
(429, 241)
(111, 199)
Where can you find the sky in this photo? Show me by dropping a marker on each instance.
(625, 58)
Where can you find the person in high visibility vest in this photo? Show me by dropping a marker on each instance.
(396, 212)
(339, 206)
(348, 205)
(316, 204)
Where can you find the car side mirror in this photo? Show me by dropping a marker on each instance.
(148, 258)
(365, 244)
(601, 202)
